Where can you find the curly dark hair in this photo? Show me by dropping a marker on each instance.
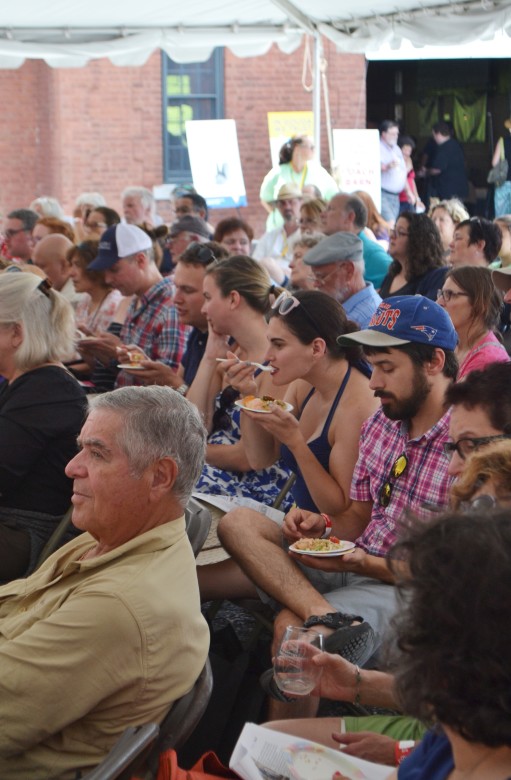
(83, 254)
(484, 297)
(455, 666)
(425, 250)
(320, 315)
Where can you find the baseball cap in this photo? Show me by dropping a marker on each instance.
(502, 278)
(336, 249)
(189, 224)
(117, 242)
(403, 320)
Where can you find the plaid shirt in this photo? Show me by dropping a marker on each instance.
(152, 324)
(424, 483)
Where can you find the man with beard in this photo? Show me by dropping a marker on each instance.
(275, 248)
(402, 466)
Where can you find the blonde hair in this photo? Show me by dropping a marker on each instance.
(46, 318)
(454, 208)
(247, 277)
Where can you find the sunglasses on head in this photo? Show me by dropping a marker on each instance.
(286, 302)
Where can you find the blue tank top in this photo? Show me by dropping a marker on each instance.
(319, 447)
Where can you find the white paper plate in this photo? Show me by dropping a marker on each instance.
(286, 408)
(347, 547)
(130, 367)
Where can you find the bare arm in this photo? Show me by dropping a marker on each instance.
(231, 457)
(208, 379)
(497, 154)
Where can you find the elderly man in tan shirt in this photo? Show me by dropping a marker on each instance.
(108, 632)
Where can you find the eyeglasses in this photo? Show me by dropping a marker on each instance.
(479, 503)
(286, 302)
(320, 279)
(95, 225)
(396, 471)
(466, 446)
(399, 233)
(10, 233)
(198, 253)
(448, 295)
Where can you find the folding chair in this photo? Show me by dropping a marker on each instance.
(198, 522)
(182, 718)
(56, 538)
(126, 755)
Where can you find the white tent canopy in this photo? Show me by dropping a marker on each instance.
(71, 34)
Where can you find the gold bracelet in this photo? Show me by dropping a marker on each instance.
(358, 680)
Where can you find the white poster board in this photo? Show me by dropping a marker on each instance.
(357, 162)
(215, 162)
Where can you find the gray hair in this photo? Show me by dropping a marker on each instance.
(50, 207)
(90, 199)
(358, 207)
(26, 216)
(145, 195)
(157, 423)
(47, 319)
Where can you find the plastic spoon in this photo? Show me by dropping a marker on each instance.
(246, 363)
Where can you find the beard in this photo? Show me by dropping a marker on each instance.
(407, 407)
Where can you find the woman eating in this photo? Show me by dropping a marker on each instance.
(236, 299)
(474, 305)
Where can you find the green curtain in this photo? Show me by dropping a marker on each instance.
(469, 118)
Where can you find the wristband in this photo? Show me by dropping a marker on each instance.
(403, 749)
(328, 526)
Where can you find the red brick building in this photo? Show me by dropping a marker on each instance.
(100, 127)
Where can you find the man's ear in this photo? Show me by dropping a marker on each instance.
(437, 362)
(164, 476)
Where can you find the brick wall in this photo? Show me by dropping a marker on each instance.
(65, 131)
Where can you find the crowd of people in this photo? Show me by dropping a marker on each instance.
(128, 352)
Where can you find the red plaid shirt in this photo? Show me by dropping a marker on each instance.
(152, 324)
(424, 483)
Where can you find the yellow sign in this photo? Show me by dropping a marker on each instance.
(283, 125)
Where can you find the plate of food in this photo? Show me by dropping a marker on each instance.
(322, 548)
(264, 405)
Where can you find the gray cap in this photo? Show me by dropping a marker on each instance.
(336, 249)
(189, 224)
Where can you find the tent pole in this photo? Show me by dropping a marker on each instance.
(316, 93)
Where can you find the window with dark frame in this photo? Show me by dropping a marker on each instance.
(190, 91)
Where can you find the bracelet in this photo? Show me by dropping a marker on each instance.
(403, 749)
(181, 389)
(328, 526)
(358, 680)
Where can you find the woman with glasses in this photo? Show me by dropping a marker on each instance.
(418, 266)
(235, 235)
(98, 220)
(237, 296)
(42, 409)
(297, 167)
(301, 277)
(474, 305)
(328, 387)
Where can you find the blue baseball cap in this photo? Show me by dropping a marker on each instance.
(404, 320)
(117, 242)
